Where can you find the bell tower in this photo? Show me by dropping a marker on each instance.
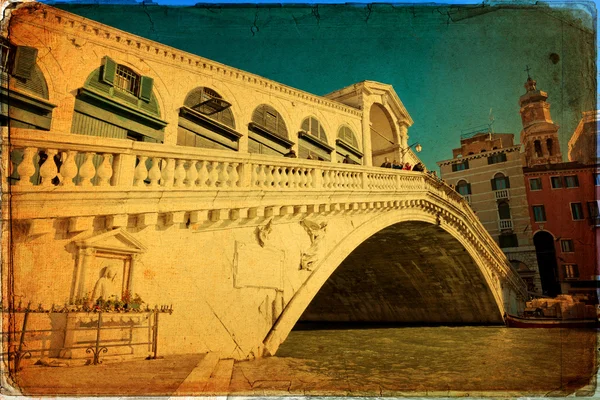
(539, 134)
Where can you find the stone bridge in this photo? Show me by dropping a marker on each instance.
(243, 245)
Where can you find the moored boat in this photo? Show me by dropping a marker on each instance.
(563, 311)
(541, 322)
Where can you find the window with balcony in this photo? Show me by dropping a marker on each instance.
(206, 120)
(535, 183)
(571, 181)
(312, 143)
(497, 158)
(570, 271)
(508, 240)
(461, 166)
(268, 133)
(556, 182)
(28, 91)
(346, 146)
(500, 182)
(577, 211)
(539, 213)
(503, 210)
(566, 246)
(117, 102)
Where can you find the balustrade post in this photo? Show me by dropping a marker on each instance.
(141, 172)
(26, 169)
(48, 169)
(87, 171)
(168, 173)
(105, 170)
(124, 169)
(247, 175)
(317, 178)
(154, 172)
(365, 180)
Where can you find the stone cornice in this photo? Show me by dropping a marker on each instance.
(479, 155)
(70, 24)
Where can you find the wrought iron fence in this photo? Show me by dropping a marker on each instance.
(15, 341)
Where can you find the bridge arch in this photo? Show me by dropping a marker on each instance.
(416, 212)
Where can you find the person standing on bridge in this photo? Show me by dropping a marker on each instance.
(386, 163)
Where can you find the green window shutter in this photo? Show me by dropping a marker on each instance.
(25, 58)
(469, 188)
(493, 184)
(109, 68)
(146, 84)
(507, 182)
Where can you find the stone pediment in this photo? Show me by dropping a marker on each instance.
(116, 240)
(372, 92)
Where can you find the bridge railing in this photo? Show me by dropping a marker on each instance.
(43, 161)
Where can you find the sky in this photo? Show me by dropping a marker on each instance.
(449, 64)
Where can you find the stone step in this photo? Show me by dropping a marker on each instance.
(196, 381)
(218, 384)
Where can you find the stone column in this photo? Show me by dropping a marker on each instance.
(131, 278)
(84, 258)
(403, 139)
(366, 135)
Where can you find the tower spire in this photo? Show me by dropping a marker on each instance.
(528, 69)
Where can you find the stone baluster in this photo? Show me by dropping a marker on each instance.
(302, 178)
(326, 179)
(105, 170)
(224, 174)
(203, 174)
(234, 177)
(167, 173)
(68, 169)
(276, 177)
(154, 172)
(141, 172)
(26, 169)
(179, 173)
(308, 177)
(262, 176)
(87, 170)
(253, 174)
(213, 175)
(285, 180)
(269, 180)
(191, 175)
(48, 169)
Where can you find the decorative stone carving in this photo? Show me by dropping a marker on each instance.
(105, 285)
(316, 232)
(263, 232)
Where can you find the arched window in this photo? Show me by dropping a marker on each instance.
(503, 210)
(116, 102)
(463, 187)
(267, 132)
(500, 182)
(346, 146)
(27, 89)
(549, 146)
(312, 142)
(206, 120)
(537, 148)
(483, 150)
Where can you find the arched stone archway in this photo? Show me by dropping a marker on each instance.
(492, 298)
(546, 258)
(383, 135)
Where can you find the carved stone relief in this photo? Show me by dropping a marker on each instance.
(316, 232)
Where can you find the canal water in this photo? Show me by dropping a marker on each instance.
(434, 360)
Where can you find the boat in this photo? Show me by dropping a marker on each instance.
(563, 311)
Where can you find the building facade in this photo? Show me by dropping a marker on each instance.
(487, 170)
(562, 196)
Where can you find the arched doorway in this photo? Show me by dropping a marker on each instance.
(383, 143)
(546, 258)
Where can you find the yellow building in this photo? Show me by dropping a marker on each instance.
(487, 170)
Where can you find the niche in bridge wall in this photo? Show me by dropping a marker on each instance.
(105, 265)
